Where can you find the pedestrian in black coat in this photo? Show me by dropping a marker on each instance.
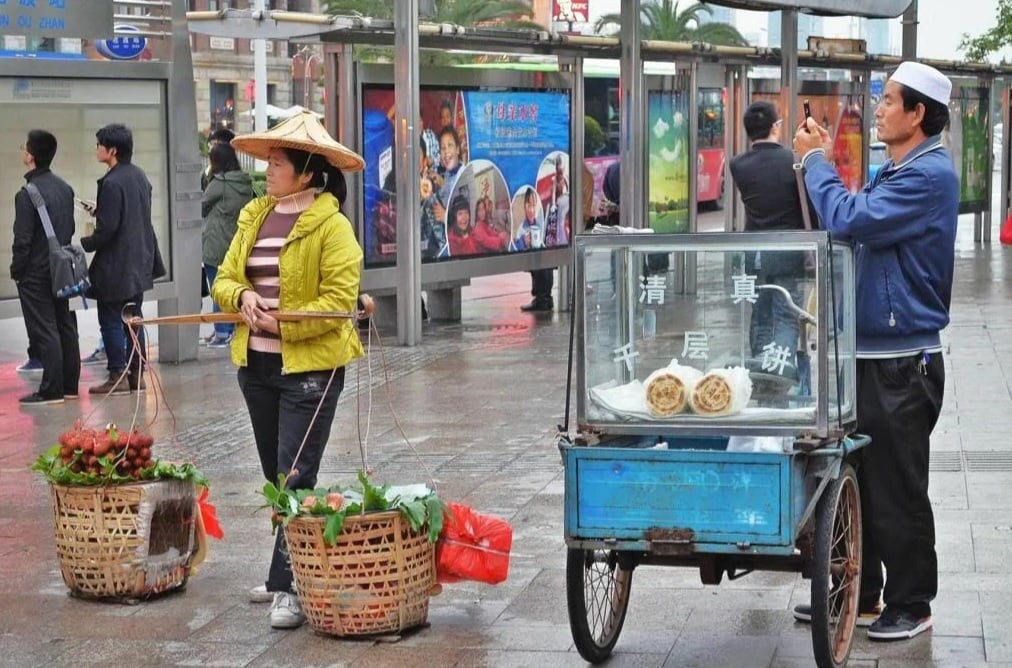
(51, 325)
(126, 260)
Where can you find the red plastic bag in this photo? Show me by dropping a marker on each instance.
(473, 546)
(1006, 231)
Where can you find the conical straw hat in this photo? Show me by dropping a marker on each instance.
(303, 132)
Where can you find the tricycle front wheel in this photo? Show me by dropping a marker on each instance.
(597, 593)
(836, 572)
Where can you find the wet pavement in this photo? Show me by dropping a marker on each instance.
(479, 402)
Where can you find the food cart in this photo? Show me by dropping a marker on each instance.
(714, 426)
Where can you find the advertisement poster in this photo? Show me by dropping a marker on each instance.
(842, 116)
(494, 172)
(966, 139)
(668, 162)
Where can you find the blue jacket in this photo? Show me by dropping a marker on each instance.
(903, 227)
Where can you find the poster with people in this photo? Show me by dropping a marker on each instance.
(494, 170)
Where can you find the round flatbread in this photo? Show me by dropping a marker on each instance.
(666, 394)
(711, 396)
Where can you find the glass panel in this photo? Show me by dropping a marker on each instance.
(74, 110)
(742, 350)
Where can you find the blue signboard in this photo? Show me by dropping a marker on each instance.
(122, 47)
(88, 19)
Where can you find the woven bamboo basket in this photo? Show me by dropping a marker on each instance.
(129, 541)
(376, 577)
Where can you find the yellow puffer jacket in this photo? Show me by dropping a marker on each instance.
(320, 266)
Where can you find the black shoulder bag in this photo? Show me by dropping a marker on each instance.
(68, 267)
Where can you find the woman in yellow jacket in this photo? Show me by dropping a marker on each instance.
(293, 251)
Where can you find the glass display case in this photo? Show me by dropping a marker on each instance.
(747, 334)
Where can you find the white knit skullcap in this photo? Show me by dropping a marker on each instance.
(925, 80)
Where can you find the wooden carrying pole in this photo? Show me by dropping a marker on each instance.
(221, 317)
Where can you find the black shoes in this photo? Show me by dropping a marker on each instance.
(896, 624)
(539, 304)
(36, 399)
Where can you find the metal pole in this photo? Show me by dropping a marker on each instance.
(409, 265)
(632, 121)
(577, 131)
(260, 78)
(343, 103)
(910, 32)
(788, 73)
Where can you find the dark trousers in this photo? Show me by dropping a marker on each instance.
(52, 338)
(898, 402)
(222, 330)
(281, 407)
(119, 346)
(542, 281)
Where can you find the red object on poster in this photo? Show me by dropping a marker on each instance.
(473, 546)
(848, 149)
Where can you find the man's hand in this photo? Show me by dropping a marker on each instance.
(810, 136)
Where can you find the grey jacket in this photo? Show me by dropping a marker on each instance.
(225, 196)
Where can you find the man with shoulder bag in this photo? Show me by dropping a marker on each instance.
(51, 325)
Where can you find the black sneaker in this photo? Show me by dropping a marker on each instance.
(36, 399)
(538, 304)
(895, 624)
(865, 618)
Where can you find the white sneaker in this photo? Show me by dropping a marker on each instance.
(286, 613)
(259, 594)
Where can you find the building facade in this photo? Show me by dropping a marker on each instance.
(223, 72)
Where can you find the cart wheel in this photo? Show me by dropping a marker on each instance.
(597, 592)
(836, 571)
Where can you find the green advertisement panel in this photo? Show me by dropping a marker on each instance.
(668, 161)
(966, 139)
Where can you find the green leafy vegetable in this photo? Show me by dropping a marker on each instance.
(418, 504)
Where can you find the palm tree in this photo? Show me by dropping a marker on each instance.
(506, 13)
(661, 20)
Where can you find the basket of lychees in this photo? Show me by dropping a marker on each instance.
(128, 526)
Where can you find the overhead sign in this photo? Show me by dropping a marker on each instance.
(573, 11)
(88, 19)
(123, 46)
(875, 9)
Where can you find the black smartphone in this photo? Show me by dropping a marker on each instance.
(808, 113)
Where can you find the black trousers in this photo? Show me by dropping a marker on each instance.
(281, 407)
(898, 403)
(542, 281)
(52, 337)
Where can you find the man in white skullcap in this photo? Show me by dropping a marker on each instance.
(903, 227)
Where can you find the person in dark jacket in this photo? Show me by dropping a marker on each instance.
(764, 175)
(903, 226)
(228, 191)
(51, 325)
(219, 136)
(126, 260)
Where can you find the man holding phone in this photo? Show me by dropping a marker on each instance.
(126, 259)
(764, 175)
(903, 227)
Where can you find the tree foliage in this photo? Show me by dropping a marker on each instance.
(503, 13)
(661, 20)
(506, 13)
(996, 38)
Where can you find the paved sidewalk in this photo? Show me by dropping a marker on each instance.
(479, 400)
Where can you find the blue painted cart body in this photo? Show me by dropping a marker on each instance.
(692, 501)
